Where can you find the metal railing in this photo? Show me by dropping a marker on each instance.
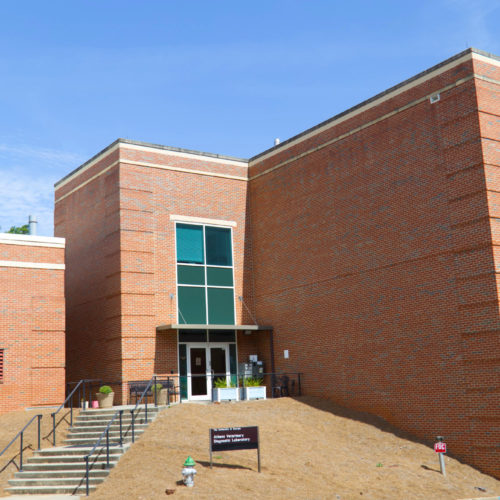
(279, 383)
(81, 385)
(21, 444)
(105, 433)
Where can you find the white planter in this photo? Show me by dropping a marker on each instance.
(249, 393)
(225, 394)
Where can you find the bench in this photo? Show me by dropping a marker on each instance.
(137, 387)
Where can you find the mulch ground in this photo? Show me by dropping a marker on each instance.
(310, 449)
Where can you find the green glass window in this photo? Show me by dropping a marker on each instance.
(222, 336)
(192, 336)
(220, 306)
(218, 246)
(183, 370)
(232, 363)
(190, 244)
(191, 275)
(219, 276)
(192, 306)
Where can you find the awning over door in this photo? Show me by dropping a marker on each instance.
(250, 328)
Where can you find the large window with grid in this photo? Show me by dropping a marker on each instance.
(205, 277)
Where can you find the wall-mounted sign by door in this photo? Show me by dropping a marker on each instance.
(235, 438)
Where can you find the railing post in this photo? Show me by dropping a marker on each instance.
(87, 475)
(133, 431)
(300, 390)
(107, 449)
(39, 417)
(53, 429)
(121, 436)
(154, 392)
(21, 454)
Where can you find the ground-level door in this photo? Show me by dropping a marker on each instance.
(204, 365)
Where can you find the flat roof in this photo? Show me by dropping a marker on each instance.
(173, 326)
(348, 111)
(149, 145)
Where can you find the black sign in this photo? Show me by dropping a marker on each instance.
(234, 438)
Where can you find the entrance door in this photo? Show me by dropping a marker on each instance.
(206, 364)
(198, 362)
(218, 363)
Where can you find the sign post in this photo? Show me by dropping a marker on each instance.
(235, 438)
(440, 448)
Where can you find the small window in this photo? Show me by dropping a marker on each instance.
(1, 366)
(192, 336)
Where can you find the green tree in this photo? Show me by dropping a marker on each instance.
(19, 229)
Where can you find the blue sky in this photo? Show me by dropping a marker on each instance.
(212, 75)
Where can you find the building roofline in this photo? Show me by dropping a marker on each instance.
(173, 149)
(287, 142)
(32, 240)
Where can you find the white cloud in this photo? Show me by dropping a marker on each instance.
(22, 195)
(50, 157)
(27, 177)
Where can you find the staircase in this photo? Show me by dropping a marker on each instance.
(61, 470)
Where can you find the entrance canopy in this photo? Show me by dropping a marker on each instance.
(249, 328)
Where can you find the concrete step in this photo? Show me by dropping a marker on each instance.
(61, 470)
(78, 450)
(98, 427)
(113, 457)
(90, 432)
(49, 490)
(113, 442)
(69, 466)
(56, 481)
(126, 411)
(36, 474)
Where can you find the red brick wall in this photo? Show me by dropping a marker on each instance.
(89, 219)
(370, 245)
(121, 254)
(375, 264)
(32, 323)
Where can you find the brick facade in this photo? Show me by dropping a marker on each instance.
(369, 243)
(32, 320)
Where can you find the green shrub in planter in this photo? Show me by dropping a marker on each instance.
(105, 389)
(253, 382)
(221, 383)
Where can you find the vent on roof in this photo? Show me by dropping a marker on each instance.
(434, 98)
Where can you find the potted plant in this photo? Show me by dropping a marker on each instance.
(161, 394)
(253, 388)
(224, 391)
(105, 396)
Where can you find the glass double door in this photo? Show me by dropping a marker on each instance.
(206, 364)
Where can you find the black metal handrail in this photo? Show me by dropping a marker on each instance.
(241, 379)
(21, 433)
(106, 431)
(144, 393)
(80, 385)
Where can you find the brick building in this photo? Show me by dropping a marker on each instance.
(32, 320)
(368, 245)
